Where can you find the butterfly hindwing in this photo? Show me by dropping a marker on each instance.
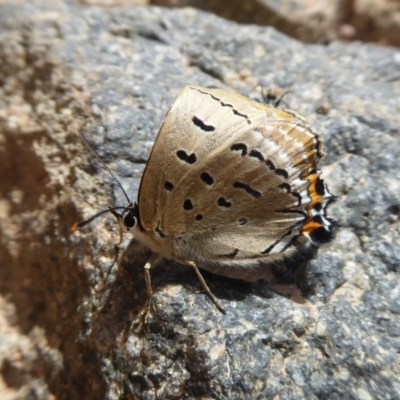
(227, 177)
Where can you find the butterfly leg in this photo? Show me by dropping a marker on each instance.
(204, 284)
(150, 262)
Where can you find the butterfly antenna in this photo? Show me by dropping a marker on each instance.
(106, 167)
(274, 99)
(272, 96)
(79, 225)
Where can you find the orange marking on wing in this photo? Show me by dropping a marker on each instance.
(310, 226)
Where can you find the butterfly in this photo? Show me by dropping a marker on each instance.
(231, 186)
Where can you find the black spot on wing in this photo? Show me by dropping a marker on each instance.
(243, 221)
(198, 217)
(247, 188)
(320, 187)
(285, 186)
(207, 178)
(188, 205)
(317, 207)
(270, 165)
(182, 155)
(324, 233)
(168, 185)
(200, 124)
(281, 172)
(256, 154)
(239, 147)
(222, 202)
(321, 235)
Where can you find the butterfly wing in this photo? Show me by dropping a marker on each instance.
(230, 179)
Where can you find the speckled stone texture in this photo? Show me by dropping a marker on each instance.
(71, 327)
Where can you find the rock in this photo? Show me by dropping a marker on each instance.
(311, 21)
(377, 21)
(72, 327)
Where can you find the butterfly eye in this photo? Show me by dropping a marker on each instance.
(129, 220)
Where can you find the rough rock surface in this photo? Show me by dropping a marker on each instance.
(310, 20)
(71, 327)
(306, 20)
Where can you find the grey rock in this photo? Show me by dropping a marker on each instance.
(82, 328)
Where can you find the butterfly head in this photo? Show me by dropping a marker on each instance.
(128, 218)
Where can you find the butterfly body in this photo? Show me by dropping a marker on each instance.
(232, 186)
